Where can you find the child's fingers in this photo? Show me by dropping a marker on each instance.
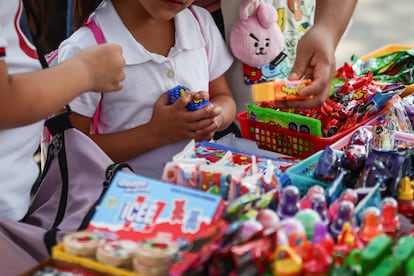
(182, 101)
(162, 100)
(200, 95)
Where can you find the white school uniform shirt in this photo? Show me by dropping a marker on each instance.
(18, 170)
(197, 58)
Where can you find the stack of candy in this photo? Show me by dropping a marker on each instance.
(305, 233)
(154, 257)
(279, 231)
(147, 257)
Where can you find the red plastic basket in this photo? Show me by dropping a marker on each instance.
(285, 141)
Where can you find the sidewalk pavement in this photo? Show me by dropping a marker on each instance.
(377, 23)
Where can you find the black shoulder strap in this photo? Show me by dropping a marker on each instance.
(109, 175)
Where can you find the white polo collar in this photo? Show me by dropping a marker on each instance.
(187, 35)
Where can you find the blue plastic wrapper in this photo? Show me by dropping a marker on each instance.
(383, 168)
(328, 166)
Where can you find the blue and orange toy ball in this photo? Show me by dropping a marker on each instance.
(178, 91)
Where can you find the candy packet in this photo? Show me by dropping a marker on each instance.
(284, 120)
(391, 67)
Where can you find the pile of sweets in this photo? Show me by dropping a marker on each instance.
(289, 236)
(302, 234)
(275, 231)
(374, 155)
(353, 98)
(305, 236)
(220, 170)
(391, 67)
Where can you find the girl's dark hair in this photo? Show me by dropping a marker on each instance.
(47, 22)
(81, 11)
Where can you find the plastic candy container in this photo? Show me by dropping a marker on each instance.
(287, 262)
(309, 218)
(406, 199)
(154, 257)
(305, 201)
(321, 236)
(317, 262)
(289, 202)
(289, 226)
(178, 91)
(318, 203)
(345, 213)
(348, 194)
(279, 90)
(268, 218)
(82, 243)
(371, 224)
(348, 240)
(117, 253)
(374, 252)
(390, 220)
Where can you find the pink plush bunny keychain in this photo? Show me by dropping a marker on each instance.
(256, 39)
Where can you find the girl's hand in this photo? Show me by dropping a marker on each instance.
(211, 124)
(104, 65)
(174, 123)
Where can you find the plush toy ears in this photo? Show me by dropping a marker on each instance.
(265, 15)
(247, 8)
(256, 39)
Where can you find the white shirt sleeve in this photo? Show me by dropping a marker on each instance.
(3, 44)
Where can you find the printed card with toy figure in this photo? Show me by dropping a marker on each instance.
(257, 41)
(135, 207)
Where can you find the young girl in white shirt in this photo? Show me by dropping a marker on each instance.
(165, 44)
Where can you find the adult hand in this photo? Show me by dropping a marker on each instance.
(315, 59)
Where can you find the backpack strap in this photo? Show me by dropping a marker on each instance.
(97, 32)
(100, 39)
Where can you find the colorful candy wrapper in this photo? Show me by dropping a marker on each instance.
(398, 112)
(390, 68)
(189, 151)
(383, 131)
(382, 168)
(354, 157)
(226, 179)
(408, 103)
(362, 136)
(183, 172)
